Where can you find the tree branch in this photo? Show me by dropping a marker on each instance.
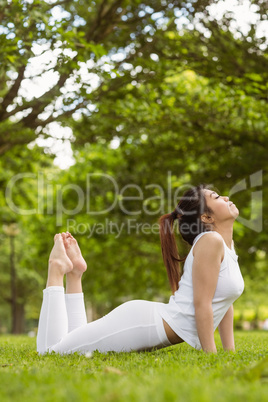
(101, 17)
(40, 104)
(12, 93)
(21, 140)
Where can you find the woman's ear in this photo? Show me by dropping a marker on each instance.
(207, 218)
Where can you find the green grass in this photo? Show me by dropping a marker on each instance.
(178, 373)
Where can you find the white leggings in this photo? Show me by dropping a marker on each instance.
(63, 328)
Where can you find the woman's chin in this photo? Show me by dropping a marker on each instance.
(235, 211)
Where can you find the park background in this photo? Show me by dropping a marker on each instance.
(157, 95)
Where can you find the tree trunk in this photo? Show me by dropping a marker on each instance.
(13, 287)
(18, 321)
(17, 309)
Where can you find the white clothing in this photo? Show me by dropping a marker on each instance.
(63, 328)
(180, 312)
(138, 324)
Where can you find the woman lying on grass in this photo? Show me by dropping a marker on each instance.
(202, 299)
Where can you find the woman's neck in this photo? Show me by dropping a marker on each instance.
(227, 234)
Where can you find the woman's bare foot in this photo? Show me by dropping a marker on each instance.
(59, 263)
(74, 253)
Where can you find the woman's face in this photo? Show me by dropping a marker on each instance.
(223, 209)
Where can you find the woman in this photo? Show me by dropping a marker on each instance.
(202, 299)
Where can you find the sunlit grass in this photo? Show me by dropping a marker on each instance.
(178, 373)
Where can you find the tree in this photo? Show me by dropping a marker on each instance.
(73, 37)
(92, 49)
(20, 267)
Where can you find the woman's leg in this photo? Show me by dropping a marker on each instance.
(74, 297)
(77, 316)
(53, 322)
(135, 325)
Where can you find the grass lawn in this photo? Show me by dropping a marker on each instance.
(178, 373)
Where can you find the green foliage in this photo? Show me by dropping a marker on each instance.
(173, 374)
(73, 39)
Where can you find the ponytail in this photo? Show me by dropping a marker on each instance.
(188, 215)
(170, 251)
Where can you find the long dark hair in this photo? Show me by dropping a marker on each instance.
(188, 212)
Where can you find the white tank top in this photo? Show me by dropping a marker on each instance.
(179, 313)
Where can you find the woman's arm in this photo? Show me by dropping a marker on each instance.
(208, 254)
(226, 330)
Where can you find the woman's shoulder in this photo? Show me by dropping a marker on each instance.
(211, 236)
(212, 241)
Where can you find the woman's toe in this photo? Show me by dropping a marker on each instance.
(57, 236)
